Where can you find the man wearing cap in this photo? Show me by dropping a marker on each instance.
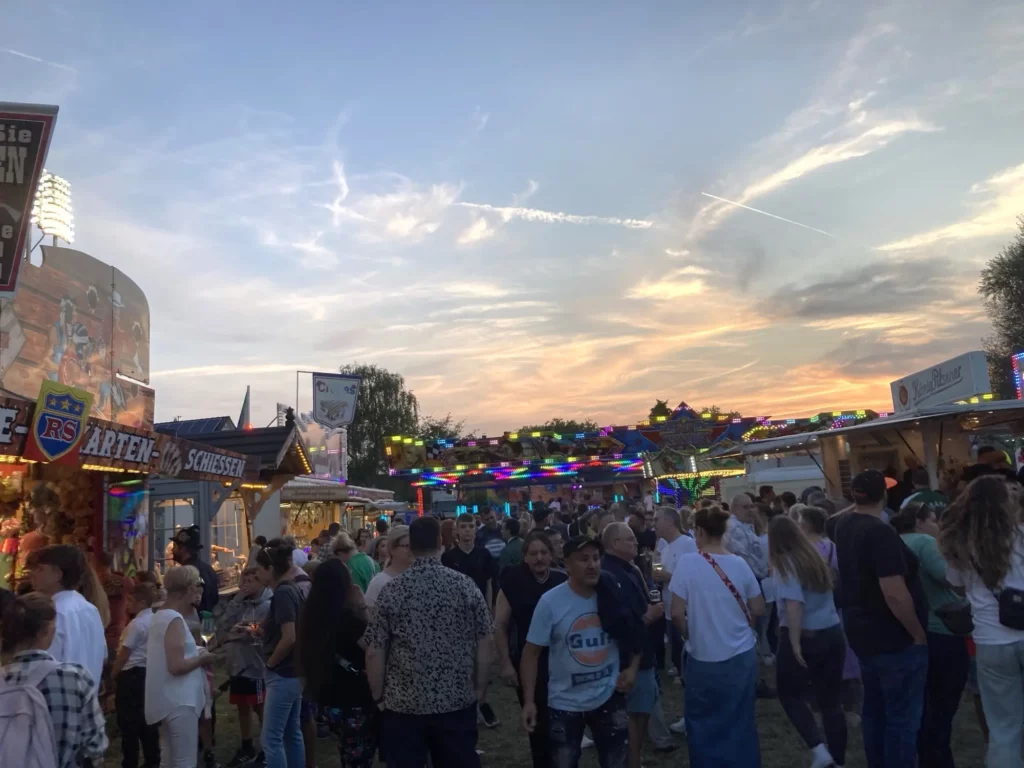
(585, 683)
(884, 614)
(186, 552)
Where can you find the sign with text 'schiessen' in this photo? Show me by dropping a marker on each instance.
(25, 131)
(58, 424)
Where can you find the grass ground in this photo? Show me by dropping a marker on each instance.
(507, 747)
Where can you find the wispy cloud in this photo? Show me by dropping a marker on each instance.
(315, 255)
(48, 63)
(476, 232)
(233, 370)
(507, 213)
(666, 289)
(996, 214)
(862, 142)
(498, 306)
(479, 120)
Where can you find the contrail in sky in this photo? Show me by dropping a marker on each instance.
(772, 215)
(58, 65)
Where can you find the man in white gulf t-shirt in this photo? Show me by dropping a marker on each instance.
(672, 544)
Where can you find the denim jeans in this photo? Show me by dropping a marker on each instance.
(1001, 682)
(281, 737)
(893, 703)
(947, 676)
(720, 728)
(608, 724)
(449, 739)
(823, 652)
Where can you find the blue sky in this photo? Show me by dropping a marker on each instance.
(506, 204)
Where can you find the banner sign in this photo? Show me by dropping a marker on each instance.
(955, 379)
(58, 424)
(14, 418)
(131, 449)
(25, 131)
(335, 397)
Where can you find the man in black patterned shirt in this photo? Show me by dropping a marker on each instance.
(427, 658)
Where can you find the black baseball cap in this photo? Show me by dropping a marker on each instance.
(189, 538)
(576, 543)
(868, 487)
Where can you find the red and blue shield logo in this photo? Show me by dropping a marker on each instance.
(58, 423)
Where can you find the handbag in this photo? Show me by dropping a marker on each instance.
(1011, 607)
(1010, 601)
(956, 617)
(731, 586)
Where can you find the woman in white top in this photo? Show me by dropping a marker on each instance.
(175, 681)
(983, 542)
(399, 558)
(715, 600)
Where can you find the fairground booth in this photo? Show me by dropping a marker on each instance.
(73, 479)
(942, 415)
(77, 331)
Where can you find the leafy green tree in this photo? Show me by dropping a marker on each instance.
(660, 409)
(385, 408)
(715, 412)
(563, 426)
(1002, 288)
(431, 428)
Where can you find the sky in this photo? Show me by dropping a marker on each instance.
(538, 210)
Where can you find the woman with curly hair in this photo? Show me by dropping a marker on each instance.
(983, 543)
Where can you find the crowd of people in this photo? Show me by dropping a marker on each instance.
(880, 611)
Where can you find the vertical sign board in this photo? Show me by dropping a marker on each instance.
(335, 397)
(25, 131)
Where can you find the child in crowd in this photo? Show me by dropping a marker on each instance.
(129, 674)
(245, 660)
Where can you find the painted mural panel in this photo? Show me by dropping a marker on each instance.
(80, 322)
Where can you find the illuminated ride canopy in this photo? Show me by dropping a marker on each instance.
(666, 447)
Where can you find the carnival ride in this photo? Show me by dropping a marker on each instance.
(670, 449)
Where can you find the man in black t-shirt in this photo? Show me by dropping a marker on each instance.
(470, 558)
(884, 614)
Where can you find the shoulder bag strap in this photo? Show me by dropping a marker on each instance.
(732, 588)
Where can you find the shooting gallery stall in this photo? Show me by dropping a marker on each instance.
(70, 479)
(225, 509)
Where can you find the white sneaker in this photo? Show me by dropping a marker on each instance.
(586, 743)
(820, 757)
(768, 660)
(679, 726)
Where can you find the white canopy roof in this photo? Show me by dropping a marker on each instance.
(994, 416)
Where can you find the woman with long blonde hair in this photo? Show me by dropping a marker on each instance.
(811, 641)
(983, 543)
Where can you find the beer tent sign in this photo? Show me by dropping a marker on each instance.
(25, 131)
(335, 397)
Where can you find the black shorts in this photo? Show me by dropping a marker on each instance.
(246, 691)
